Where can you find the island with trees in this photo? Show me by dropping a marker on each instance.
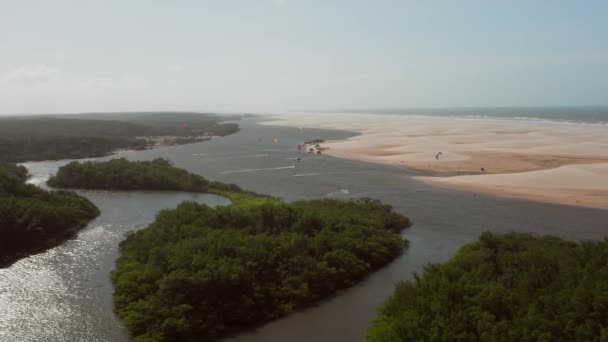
(201, 273)
(34, 138)
(121, 174)
(33, 220)
(504, 287)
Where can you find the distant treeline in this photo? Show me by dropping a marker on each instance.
(32, 148)
(172, 123)
(32, 219)
(199, 273)
(94, 135)
(505, 287)
(121, 174)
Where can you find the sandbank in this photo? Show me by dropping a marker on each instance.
(557, 162)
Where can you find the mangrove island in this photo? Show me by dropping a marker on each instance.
(33, 220)
(201, 273)
(504, 287)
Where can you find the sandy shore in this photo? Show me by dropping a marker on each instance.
(548, 161)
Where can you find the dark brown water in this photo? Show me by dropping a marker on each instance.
(65, 294)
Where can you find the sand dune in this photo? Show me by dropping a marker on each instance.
(549, 161)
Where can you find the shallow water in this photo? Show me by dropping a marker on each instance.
(65, 293)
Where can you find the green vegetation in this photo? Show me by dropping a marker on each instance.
(242, 198)
(33, 220)
(172, 123)
(200, 273)
(121, 174)
(19, 149)
(511, 287)
(314, 142)
(95, 135)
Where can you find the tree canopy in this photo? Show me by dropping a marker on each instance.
(504, 287)
(26, 148)
(122, 174)
(94, 135)
(199, 273)
(32, 219)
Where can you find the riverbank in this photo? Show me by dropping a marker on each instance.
(39, 138)
(33, 220)
(314, 247)
(555, 162)
(581, 185)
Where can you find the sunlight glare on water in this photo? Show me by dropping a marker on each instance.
(65, 293)
(52, 282)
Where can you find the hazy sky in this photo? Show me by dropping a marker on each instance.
(256, 55)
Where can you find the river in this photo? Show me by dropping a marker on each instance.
(64, 294)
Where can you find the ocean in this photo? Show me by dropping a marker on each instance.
(591, 115)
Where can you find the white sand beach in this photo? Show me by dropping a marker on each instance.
(549, 161)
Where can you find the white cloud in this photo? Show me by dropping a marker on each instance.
(32, 74)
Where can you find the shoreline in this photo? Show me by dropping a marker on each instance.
(588, 198)
(444, 220)
(553, 162)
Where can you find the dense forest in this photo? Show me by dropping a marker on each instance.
(505, 287)
(172, 123)
(32, 219)
(32, 148)
(199, 273)
(94, 135)
(121, 174)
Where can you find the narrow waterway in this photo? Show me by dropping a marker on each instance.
(65, 294)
